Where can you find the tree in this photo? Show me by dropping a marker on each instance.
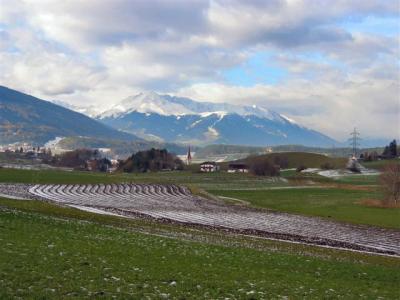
(151, 160)
(76, 158)
(390, 151)
(103, 165)
(386, 152)
(263, 167)
(281, 161)
(393, 148)
(390, 180)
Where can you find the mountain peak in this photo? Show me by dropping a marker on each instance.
(147, 102)
(150, 102)
(149, 94)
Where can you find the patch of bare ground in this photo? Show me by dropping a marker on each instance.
(351, 187)
(378, 203)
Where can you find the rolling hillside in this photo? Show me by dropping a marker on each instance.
(24, 118)
(122, 149)
(296, 159)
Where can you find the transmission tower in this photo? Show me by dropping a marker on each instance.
(355, 141)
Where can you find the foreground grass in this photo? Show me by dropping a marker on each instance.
(54, 252)
(340, 204)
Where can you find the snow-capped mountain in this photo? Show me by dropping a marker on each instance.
(90, 111)
(151, 102)
(177, 119)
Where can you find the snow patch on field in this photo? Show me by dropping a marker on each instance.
(94, 210)
(172, 203)
(340, 172)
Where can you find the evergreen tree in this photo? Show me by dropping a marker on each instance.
(386, 151)
(393, 148)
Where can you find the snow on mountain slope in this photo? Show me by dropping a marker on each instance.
(166, 105)
(176, 119)
(149, 102)
(90, 111)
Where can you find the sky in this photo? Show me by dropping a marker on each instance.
(330, 65)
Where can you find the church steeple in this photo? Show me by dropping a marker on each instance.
(189, 156)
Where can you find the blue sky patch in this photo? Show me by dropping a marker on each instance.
(259, 69)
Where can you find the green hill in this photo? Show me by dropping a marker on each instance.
(296, 159)
(24, 118)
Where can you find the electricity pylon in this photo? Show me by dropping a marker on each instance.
(355, 141)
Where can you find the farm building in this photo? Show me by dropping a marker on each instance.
(238, 168)
(209, 166)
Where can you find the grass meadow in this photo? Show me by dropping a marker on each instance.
(340, 204)
(52, 252)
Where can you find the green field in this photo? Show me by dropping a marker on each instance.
(380, 164)
(309, 160)
(335, 203)
(340, 203)
(372, 180)
(53, 252)
(220, 180)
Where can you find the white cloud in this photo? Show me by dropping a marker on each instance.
(102, 51)
(333, 107)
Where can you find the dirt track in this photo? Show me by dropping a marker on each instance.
(170, 203)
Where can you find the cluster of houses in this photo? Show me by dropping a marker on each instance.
(212, 166)
(28, 151)
(102, 165)
(22, 148)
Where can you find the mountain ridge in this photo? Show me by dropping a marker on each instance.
(151, 102)
(25, 118)
(183, 120)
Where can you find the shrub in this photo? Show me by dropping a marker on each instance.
(327, 166)
(390, 180)
(300, 168)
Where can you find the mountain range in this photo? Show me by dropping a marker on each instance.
(158, 118)
(182, 120)
(24, 118)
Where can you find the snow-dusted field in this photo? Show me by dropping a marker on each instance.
(341, 172)
(171, 203)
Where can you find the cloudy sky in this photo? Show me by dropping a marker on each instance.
(330, 65)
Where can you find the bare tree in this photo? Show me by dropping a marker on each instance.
(390, 179)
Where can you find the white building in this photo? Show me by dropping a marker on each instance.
(209, 166)
(238, 168)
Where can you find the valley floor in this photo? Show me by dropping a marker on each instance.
(51, 251)
(54, 252)
(174, 203)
